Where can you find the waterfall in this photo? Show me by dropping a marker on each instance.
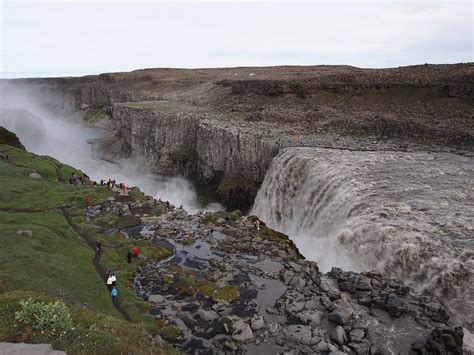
(409, 215)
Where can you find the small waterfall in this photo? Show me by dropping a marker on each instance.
(409, 215)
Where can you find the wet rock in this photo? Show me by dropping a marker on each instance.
(395, 306)
(206, 315)
(299, 334)
(257, 322)
(311, 317)
(321, 346)
(338, 334)
(242, 331)
(341, 315)
(312, 304)
(356, 335)
(447, 340)
(359, 348)
(274, 328)
(231, 345)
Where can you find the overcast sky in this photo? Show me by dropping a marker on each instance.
(83, 37)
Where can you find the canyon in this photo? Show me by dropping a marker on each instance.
(364, 169)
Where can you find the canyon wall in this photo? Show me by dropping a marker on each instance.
(223, 161)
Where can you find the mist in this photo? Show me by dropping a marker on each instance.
(47, 125)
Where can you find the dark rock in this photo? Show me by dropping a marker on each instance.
(356, 335)
(338, 334)
(341, 315)
(395, 306)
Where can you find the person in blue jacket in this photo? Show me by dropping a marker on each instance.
(114, 294)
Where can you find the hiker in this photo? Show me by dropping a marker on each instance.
(114, 294)
(124, 188)
(102, 182)
(257, 224)
(114, 279)
(98, 250)
(129, 257)
(129, 206)
(109, 281)
(135, 252)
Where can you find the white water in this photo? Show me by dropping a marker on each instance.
(46, 127)
(410, 215)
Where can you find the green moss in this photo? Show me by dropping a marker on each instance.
(96, 115)
(227, 293)
(206, 289)
(228, 216)
(137, 195)
(167, 331)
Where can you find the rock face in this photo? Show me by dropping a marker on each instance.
(216, 156)
(9, 138)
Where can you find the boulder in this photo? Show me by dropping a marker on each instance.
(341, 315)
(242, 331)
(395, 306)
(338, 335)
(257, 322)
(300, 334)
(311, 317)
(35, 175)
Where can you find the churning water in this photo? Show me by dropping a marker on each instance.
(410, 215)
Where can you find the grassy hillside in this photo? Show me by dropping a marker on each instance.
(46, 255)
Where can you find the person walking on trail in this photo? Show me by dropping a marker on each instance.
(257, 224)
(129, 256)
(110, 280)
(114, 279)
(114, 294)
(98, 250)
(135, 252)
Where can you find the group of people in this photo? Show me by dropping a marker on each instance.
(113, 184)
(132, 254)
(76, 180)
(82, 180)
(111, 282)
(4, 157)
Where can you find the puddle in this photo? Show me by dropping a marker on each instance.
(267, 297)
(270, 266)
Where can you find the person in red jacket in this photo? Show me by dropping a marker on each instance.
(135, 252)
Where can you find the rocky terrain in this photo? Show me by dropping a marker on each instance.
(230, 288)
(222, 127)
